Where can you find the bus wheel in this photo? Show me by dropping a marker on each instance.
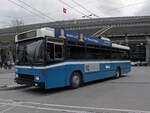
(75, 80)
(118, 73)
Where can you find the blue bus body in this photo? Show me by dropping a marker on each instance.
(58, 75)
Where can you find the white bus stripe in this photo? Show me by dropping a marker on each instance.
(71, 63)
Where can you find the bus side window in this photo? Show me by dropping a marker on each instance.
(58, 51)
(50, 51)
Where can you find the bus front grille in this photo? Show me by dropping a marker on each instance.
(25, 79)
(24, 76)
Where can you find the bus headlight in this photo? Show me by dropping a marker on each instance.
(16, 75)
(37, 78)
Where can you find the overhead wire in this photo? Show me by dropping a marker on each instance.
(83, 14)
(31, 12)
(44, 16)
(85, 8)
(111, 10)
(40, 12)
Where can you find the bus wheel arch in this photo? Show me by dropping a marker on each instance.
(76, 79)
(118, 72)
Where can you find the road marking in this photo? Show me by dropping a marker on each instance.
(9, 86)
(7, 100)
(2, 106)
(8, 109)
(91, 108)
(12, 86)
(40, 108)
(68, 106)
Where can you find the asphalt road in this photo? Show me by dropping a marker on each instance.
(128, 94)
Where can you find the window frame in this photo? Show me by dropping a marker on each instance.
(54, 44)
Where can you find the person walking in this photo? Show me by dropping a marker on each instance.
(8, 64)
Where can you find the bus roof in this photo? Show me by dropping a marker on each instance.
(60, 33)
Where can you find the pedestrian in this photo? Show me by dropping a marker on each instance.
(9, 64)
(5, 64)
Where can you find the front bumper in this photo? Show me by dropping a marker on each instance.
(28, 80)
(24, 81)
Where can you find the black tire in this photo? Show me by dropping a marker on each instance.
(75, 80)
(118, 73)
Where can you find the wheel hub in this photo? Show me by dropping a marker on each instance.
(76, 80)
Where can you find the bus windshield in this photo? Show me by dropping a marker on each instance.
(30, 53)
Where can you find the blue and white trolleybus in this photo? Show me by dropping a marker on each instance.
(51, 58)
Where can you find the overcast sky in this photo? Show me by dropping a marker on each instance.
(75, 9)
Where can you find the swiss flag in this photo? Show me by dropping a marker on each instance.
(64, 10)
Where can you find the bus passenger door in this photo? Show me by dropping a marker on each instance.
(56, 73)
